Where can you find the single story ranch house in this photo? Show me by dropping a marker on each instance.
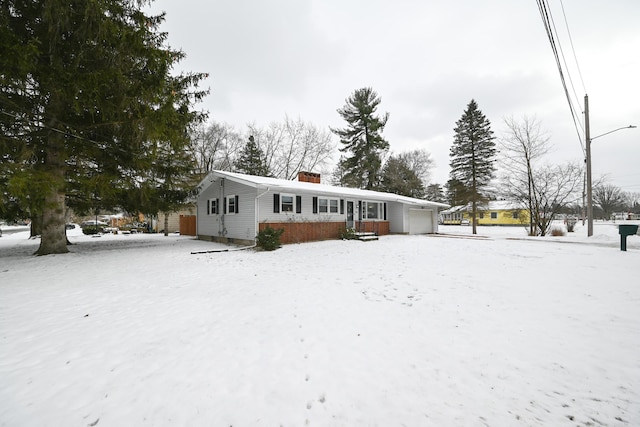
(234, 207)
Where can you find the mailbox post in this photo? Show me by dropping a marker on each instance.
(626, 230)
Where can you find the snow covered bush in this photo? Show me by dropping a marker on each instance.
(269, 238)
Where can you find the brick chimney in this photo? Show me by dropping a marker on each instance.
(309, 177)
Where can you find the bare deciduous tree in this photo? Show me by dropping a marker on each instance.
(288, 147)
(632, 201)
(555, 187)
(215, 146)
(293, 146)
(521, 148)
(609, 198)
(420, 162)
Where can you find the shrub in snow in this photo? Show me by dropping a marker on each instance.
(92, 229)
(269, 238)
(557, 232)
(348, 234)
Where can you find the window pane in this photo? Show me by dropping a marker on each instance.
(494, 215)
(287, 204)
(372, 210)
(322, 205)
(333, 206)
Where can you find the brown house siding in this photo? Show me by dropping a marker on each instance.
(299, 232)
(381, 228)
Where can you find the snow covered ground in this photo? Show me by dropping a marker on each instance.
(500, 330)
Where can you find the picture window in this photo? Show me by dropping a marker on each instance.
(373, 210)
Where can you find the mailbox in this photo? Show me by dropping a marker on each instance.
(626, 230)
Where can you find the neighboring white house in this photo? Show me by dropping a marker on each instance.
(233, 207)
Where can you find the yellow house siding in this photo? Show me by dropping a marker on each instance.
(503, 217)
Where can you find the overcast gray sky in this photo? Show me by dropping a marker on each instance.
(426, 60)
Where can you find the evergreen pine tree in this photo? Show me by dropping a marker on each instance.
(362, 140)
(91, 110)
(399, 178)
(456, 193)
(473, 156)
(252, 161)
(434, 193)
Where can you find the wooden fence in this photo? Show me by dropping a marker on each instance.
(188, 225)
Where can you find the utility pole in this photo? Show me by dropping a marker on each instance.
(587, 135)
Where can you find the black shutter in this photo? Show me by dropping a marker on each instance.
(315, 205)
(385, 211)
(341, 206)
(208, 206)
(224, 205)
(217, 212)
(276, 203)
(359, 210)
(237, 203)
(298, 204)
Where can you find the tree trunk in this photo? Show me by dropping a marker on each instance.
(54, 238)
(166, 224)
(36, 226)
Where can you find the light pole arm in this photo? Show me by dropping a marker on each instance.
(612, 131)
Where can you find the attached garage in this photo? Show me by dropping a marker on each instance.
(420, 221)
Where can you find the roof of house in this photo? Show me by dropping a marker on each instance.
(329, 190)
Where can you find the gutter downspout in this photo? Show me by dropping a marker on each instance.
(257, 210)
(222, 229)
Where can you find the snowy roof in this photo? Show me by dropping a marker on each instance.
(283, 184)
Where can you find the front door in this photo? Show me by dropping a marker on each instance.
(350, 223)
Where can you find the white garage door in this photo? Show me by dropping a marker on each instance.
(420, 221)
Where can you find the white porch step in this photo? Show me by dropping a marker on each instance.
(366, 236)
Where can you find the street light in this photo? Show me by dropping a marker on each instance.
(588, 160)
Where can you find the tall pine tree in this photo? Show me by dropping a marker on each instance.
(473, 156)
(362, 140)
(252, 160)
(91, 110)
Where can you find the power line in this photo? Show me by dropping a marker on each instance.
(545, 13)
(575, 58)
(564, 61)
